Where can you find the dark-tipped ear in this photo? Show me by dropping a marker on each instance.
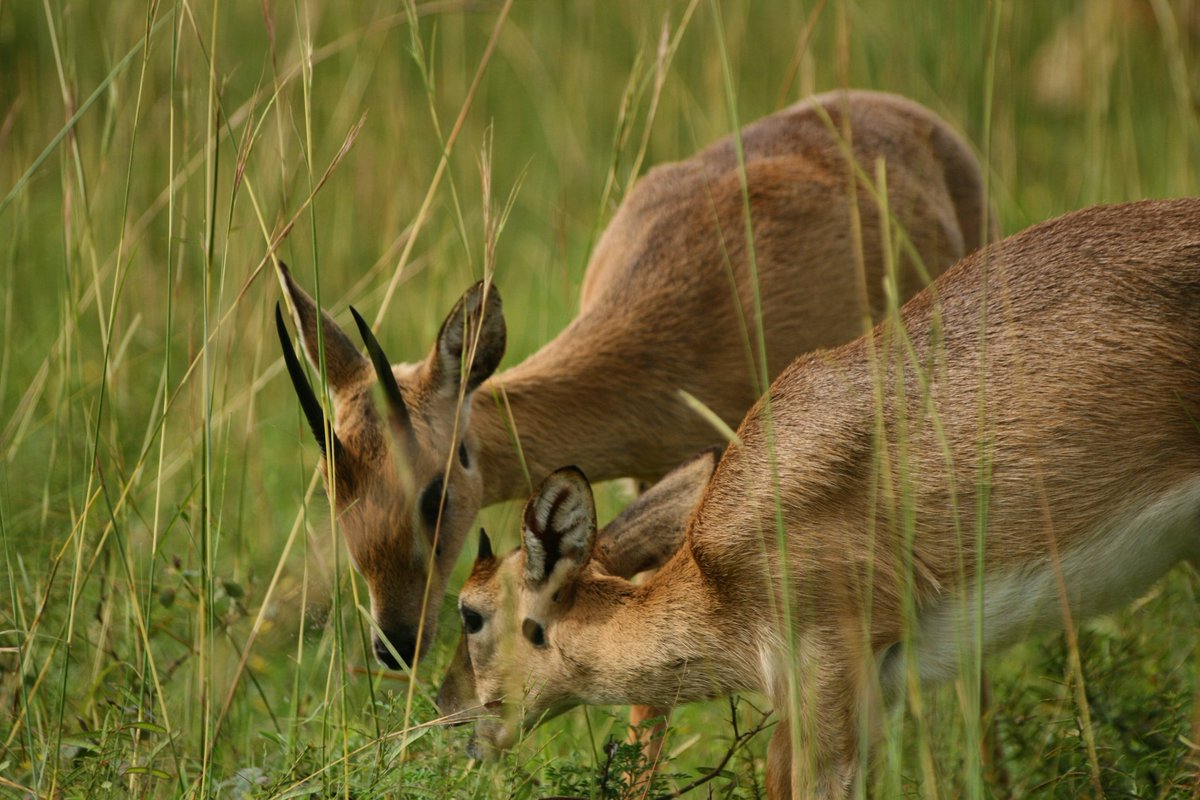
(650, 529)
(343, 363)
(472, 338)
(558, 528)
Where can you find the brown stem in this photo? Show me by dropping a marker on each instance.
(715, 771)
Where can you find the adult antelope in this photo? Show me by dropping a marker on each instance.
(668, 303)
(1046, 388)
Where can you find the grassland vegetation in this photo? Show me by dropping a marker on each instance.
(177, 615)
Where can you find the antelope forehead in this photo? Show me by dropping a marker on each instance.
(435, 414)
(379, 550)
(477, 599)
(380, 516)
(485, 589)
(408, 376)
(382, 536)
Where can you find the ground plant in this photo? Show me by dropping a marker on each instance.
(178, 617)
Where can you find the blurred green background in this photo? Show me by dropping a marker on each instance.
(153, 461)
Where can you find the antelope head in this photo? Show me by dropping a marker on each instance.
(533, 640)
(405, 485)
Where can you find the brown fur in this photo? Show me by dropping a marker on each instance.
(662, 309)
(1061, 365)
(647, 533)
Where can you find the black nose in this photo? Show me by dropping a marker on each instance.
(404, 642)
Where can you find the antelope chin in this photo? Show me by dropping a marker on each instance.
(474, 750)
(490, 738)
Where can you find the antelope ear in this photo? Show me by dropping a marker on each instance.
(558, 529)
(651, 528)
(343, 363)
(472, 338)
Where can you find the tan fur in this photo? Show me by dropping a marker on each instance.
(667, 304)
(647, 533)
(1060, 369)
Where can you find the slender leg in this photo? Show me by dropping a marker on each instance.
(779, 763)
(813, 754)
(993, 751)
(649, 737)
(787, 778)
(1194, 757)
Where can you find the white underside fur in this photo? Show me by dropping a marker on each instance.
(1102, 573)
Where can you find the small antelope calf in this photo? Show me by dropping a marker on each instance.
(1046, 388)
(668, 303)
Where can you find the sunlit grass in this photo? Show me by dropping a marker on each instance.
(178, 617)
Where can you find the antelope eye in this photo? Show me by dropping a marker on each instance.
(463, 458)
(472, 620)
(534, 632)
(431, 500)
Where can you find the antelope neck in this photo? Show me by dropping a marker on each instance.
(660, 642)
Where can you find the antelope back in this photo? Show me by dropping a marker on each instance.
(670, 300)
(1041, 388)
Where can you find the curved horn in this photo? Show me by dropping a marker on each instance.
(383, 371)
(308, 399)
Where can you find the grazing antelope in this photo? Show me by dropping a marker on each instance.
(1046, 389)
(668, 303)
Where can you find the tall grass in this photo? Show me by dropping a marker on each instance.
(177, 616)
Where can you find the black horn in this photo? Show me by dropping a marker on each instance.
(485, 547)
(308, 399)
(383, 371)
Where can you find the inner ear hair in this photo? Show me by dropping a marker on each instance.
(559, 527)
(478, 312)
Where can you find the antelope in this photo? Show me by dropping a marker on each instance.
(1045, 390)
(668, 303)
